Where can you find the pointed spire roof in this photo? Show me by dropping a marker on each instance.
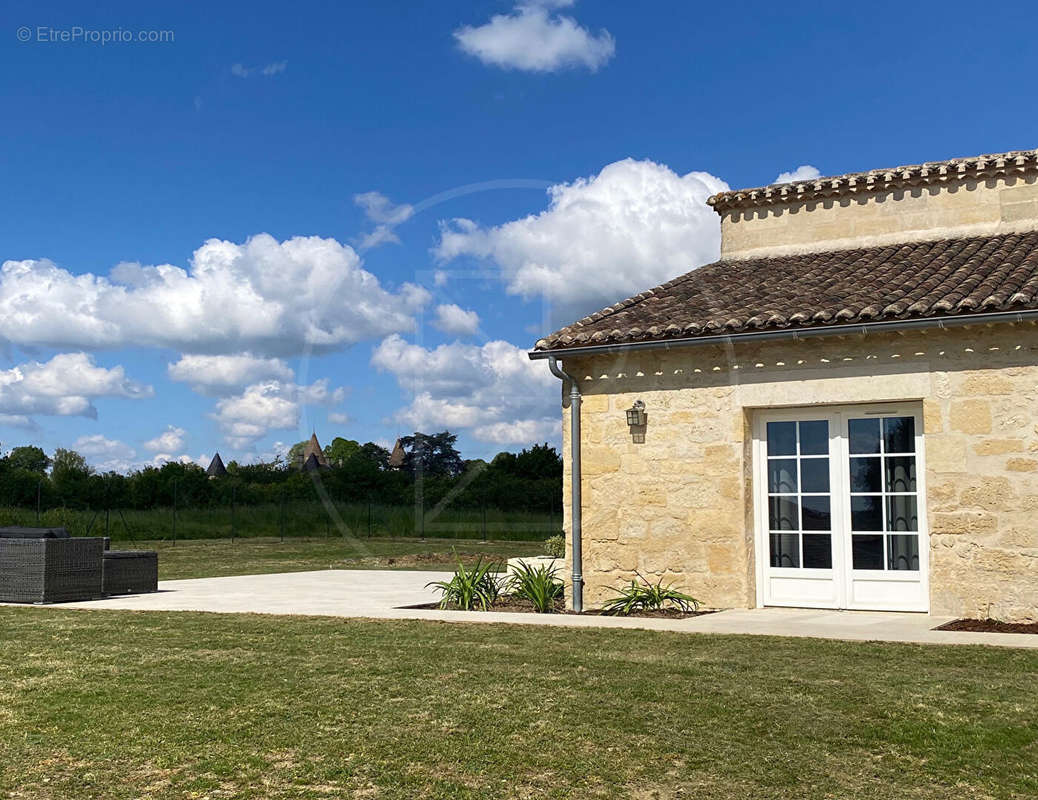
(396, 458)
(313, 450)
(216, 468)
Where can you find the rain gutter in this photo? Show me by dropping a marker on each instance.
(791, 333)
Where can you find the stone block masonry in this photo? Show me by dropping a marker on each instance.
(973, 207)
(680, 505)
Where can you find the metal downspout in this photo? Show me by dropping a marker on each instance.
(575, 503)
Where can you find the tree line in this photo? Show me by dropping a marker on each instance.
(432, 470)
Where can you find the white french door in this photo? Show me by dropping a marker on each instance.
(840, 509)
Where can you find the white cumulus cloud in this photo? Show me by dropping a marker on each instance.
(169, 440)
(521, 431)
(98, 445)
(159, 459)
(219, 375)
(632, 226)
(493, 390)
(269, 405)
(107, 455)
(805, 172)
(534, 39)
(262, 296)
(386, 216)
(66, 385)
(455, 320)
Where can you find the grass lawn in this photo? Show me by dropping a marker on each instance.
(210, 558)
(120, 705)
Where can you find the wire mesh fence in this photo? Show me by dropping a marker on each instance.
(292, 518)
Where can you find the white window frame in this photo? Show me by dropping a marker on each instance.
(845, 577)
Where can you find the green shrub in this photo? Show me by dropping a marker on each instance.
(538, 585)
(555, 546)
(648, 596)
(471, 588)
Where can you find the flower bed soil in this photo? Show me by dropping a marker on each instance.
(988, 626)
(518, 605)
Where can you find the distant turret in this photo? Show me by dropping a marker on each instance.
(396, 458)
(312, 464)
(312, 456)
(216, 468)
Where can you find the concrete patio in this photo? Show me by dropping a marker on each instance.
(386, 594)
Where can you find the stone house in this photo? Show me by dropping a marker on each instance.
(842, 412)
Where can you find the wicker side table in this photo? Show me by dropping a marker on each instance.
(50, 570)
(130, 571)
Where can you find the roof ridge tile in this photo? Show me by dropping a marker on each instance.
(928, 172)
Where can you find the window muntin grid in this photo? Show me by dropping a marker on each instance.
(799, 494)
(884, 501)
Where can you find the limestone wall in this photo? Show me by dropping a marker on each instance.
(679, 505)
(964, 208)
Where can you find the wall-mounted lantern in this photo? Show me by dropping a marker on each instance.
(636, 414)
(636, 419)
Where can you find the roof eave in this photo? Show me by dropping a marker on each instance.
(863, 328)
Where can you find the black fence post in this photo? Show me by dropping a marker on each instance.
(419, 498)
(281, 518)
(39, 489)
(369, 516)
(174, 512)
(234, 532)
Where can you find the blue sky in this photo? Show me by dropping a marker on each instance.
(355, 202)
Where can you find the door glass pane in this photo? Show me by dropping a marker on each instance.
(867, 514)
(818, 551)
(900, 474)
(814, 475)
(782, 475)
(865, 475)
(899, 435)
(785, 550)
(814, 511)
(782, 438)
(867, 551)
(863, 435)
(882, 493)
(901, 513)
(814, 438)
(782, 514)
(888, 499)
(902, 552)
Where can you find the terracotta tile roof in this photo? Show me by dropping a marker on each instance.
(1016, 162)
(918, 280)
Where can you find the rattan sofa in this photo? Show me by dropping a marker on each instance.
(49, 569)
